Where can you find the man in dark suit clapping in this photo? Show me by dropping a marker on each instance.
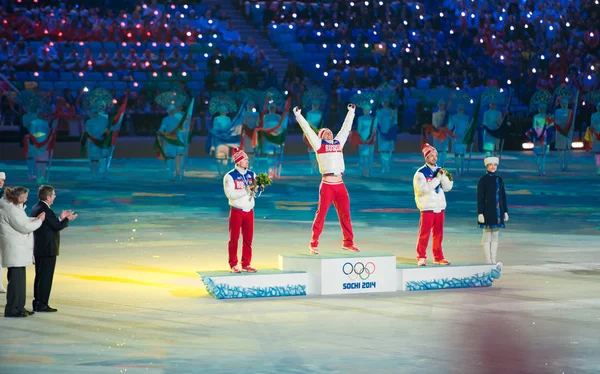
(46, 246)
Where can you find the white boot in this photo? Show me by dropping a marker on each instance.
(493, 251)
(487, 252)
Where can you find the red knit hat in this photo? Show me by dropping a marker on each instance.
(238, 155)
(321, 132)
(428, 149)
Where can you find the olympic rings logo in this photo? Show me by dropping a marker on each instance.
(358, 270)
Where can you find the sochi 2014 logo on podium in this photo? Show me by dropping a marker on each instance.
(358, 273)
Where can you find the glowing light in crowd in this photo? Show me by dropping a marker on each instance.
(577, 145)
(184, 74)
(185, 6)
(542, 57)
(550, 28)
(36, 74)
(169, 74)
(394, 45)
(80, 74)
(366, 3)
(500, 18)
(502, 57)
(214, 36)
(199, 36)
(351, 45)
(217, 61)
(206, 55)
(512, 28)
(114, 101)
(472, 16)
(568, 24)
(335, 62)
(291, 27)
(567, 80)
(462, 14)
(339, 45)
(347, 62)
(558, 55)
(526, 26)
(155, 74)
(110, 74)
(441, 14)
(319, 34)
(324, 45)
(405, 23)
(318, 66)
(421, 17)
(189, 33)
(527, 145)
(508, 82)
(451, 32)
(471, 101)
(294, 15)
(325, 74)
(366, 45)
(407, 50)
(257, 6)
(591, 35)
(481, 41)
(405, 81)
(274, 26)
(533, 71)
(418, 7)
(85, 89)
(336, 24)
(589, 77)
(359, 92)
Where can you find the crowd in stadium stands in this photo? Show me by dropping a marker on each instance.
(346, 44)
(531, 44)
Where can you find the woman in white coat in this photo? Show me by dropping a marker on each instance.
(16, 246)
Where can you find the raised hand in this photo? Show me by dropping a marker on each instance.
(72, 217)
(297, 111)
(42, 216)
(351, 106)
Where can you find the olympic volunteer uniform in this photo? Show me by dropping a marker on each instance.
(429, 186)
(331, 163)
(236, 185)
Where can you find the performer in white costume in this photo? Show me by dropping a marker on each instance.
(315, 119)
(270, 150)
(251, 119)
(387, 122)
(366, 126)
(437, 121)
(492, 120)
(40, 129)
(97, 126)
(174, 153)
(562, 143)
(459, 124)
(222, 123)
(539, 135)
(31, 115)
(332, 189)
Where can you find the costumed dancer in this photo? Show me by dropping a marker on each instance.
(492, 209)
(492, 120)
(173, 130)
(239, 186)
(174, 152)
(40, 130)
(314, 98)
(387, 132)
(32, 105)
(459, 124)
(269, 149)
(430, 183)
(96, 127)
(593, 137)
(332, 190)
(562, 141)
(224, 134)
(250, 121)
(437, 120)
(539, 133)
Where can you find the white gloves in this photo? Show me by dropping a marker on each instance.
(351, 107)
(480, 218)
(297, 110)
(505, 217)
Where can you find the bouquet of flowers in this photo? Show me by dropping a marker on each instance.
(447, 172)
(260, 182)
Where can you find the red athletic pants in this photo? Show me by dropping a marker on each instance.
(338, 195)
(431, 221)
(244, 222)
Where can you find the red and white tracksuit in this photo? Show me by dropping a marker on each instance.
(331, 162)
(431, 201)
(241, 214)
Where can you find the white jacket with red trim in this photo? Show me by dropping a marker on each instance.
(329, 154)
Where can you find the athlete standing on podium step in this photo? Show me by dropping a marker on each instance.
(332, 190)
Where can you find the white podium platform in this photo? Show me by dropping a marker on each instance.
(264, 283)
(344, 273)
(410, 277)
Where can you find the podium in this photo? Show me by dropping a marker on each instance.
(346, 273)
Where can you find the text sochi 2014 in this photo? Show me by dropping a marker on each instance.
(358, 285)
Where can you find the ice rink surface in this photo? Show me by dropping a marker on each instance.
(130, 300)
